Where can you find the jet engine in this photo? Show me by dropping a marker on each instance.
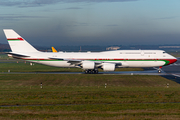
(88, 65)
(108, 66)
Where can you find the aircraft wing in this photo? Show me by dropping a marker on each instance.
(69, 60)
(74, 60)
(79, 62)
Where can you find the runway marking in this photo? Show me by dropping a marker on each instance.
(175, 75)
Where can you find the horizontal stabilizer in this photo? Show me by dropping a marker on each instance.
(17, 55)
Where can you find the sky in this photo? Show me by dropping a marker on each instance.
(92, 22)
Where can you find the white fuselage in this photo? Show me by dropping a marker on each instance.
(125, 58)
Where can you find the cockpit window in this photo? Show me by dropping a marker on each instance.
(164, 52)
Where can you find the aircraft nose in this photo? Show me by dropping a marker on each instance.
(172, 60)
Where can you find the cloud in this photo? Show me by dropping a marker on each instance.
(97, 0)
(74, 8)
(112, 25)
(10, 17)
(36, 3)
(27, 3)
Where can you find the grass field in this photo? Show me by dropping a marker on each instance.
(84, 96)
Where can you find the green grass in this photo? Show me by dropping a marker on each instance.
(120, 111)
(26, 67)
(85, 97)
(3, 56)
(175, 54)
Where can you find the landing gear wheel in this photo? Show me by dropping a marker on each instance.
(91, 71)
(159, 70)
(96, 71)
(86, 72)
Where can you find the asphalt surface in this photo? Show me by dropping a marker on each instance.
(172, 71)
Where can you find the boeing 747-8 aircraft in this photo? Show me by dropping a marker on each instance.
(89, 61)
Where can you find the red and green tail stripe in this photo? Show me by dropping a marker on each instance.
(15, 39)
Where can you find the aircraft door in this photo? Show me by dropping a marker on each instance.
(142, 53)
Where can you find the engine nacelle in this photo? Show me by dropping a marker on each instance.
(88, 65)
(108, 66)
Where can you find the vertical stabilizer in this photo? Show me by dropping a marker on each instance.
(17, 43)
(53, 49)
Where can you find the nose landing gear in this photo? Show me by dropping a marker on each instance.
(159, 70)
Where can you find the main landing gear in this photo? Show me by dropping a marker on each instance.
(94, 71)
